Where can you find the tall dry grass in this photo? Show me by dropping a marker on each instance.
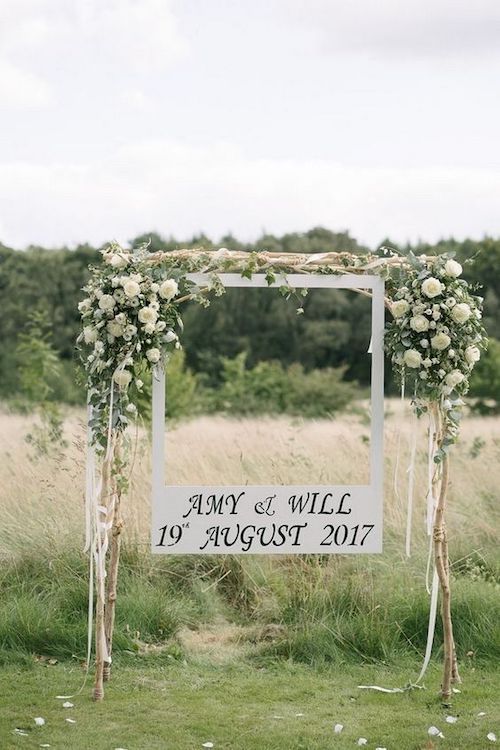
(42, 499)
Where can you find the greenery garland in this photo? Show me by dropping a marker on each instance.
(131, 322)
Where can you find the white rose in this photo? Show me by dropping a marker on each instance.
(451, 302)
(139, 384)
(114, 328)
(170, 336)
(472, 354)
(154, 287)
(168, 289)
(85, 305)
(132, 408)
(461, 313)
(122, 378)
(118, 260)
(129, 332)
(107, 302)
(149, 328)
(119, 295)
(412, 358)
(431, 287)
(452, 268)
(89, 334)
(419, 323)
(160, 326)
(440, 341)
(147, 315)
(131, 288)
(399, 308)
(153, 355)
(426, 362)
(454, 378)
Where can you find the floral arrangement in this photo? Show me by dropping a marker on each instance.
(436, 337)
(131, 320)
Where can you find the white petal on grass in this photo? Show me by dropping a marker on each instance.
(20, 732)
(380, 748)
(68, 705)
(45, 745)
(299, 714)
(39, 721)
(451, 719)
(482, 713)
(435, 732)
(338, 728)
(63, 697)
(456, 690)
(491, 736)
(71, 721)
(277, 716)
(362, 741)
(208, 744)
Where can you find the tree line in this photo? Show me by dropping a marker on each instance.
(332, 333)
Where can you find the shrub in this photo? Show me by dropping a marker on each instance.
(269, 388)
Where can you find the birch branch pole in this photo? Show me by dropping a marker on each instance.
(441, 560)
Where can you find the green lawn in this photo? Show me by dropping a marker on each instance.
(179, 706)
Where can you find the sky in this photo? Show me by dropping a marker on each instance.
(120, 117)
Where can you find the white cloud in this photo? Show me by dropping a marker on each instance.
(138, 34)
(136, 99)
(22, 89)
(408, 29)
(181, 190)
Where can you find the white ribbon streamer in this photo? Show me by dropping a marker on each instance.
(411, 484)
(398, 444)
(431, 627)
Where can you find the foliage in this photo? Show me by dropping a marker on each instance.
(37, 366)
(269, 388)
(485, 382)
(50, 279)
(184, 395)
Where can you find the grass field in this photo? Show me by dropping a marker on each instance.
(212, 649)
(284, 706)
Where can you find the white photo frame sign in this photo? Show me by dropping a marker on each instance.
(267, 519)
